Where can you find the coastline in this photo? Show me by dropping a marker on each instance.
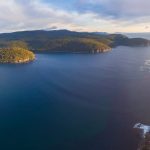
(144, 131)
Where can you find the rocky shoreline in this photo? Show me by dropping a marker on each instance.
(144, 132)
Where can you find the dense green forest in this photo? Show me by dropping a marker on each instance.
(71, 45)
(69, 41)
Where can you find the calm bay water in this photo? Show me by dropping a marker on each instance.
(75, 101)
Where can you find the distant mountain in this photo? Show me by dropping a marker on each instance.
(42, 34)
(137, 35)
(70, 41)
(123, 40)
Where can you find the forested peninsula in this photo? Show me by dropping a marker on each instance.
(16, 53)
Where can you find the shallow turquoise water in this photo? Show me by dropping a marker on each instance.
(75, 101)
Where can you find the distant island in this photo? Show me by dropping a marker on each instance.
(16, 53)
(40, 41)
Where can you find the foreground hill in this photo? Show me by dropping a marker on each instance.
(17, 55)
(69, 41)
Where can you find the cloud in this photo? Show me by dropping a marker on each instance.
(30, 14)
(125, 9)
(18, 15)
(79, 15)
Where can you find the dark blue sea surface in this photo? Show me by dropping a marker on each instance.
(75, 101)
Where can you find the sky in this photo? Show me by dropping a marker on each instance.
(77, 15)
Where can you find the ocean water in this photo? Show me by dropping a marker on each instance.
(75, 101)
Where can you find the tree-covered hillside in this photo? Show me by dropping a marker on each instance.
(16, 53)
(70, 45)
(69, 41)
